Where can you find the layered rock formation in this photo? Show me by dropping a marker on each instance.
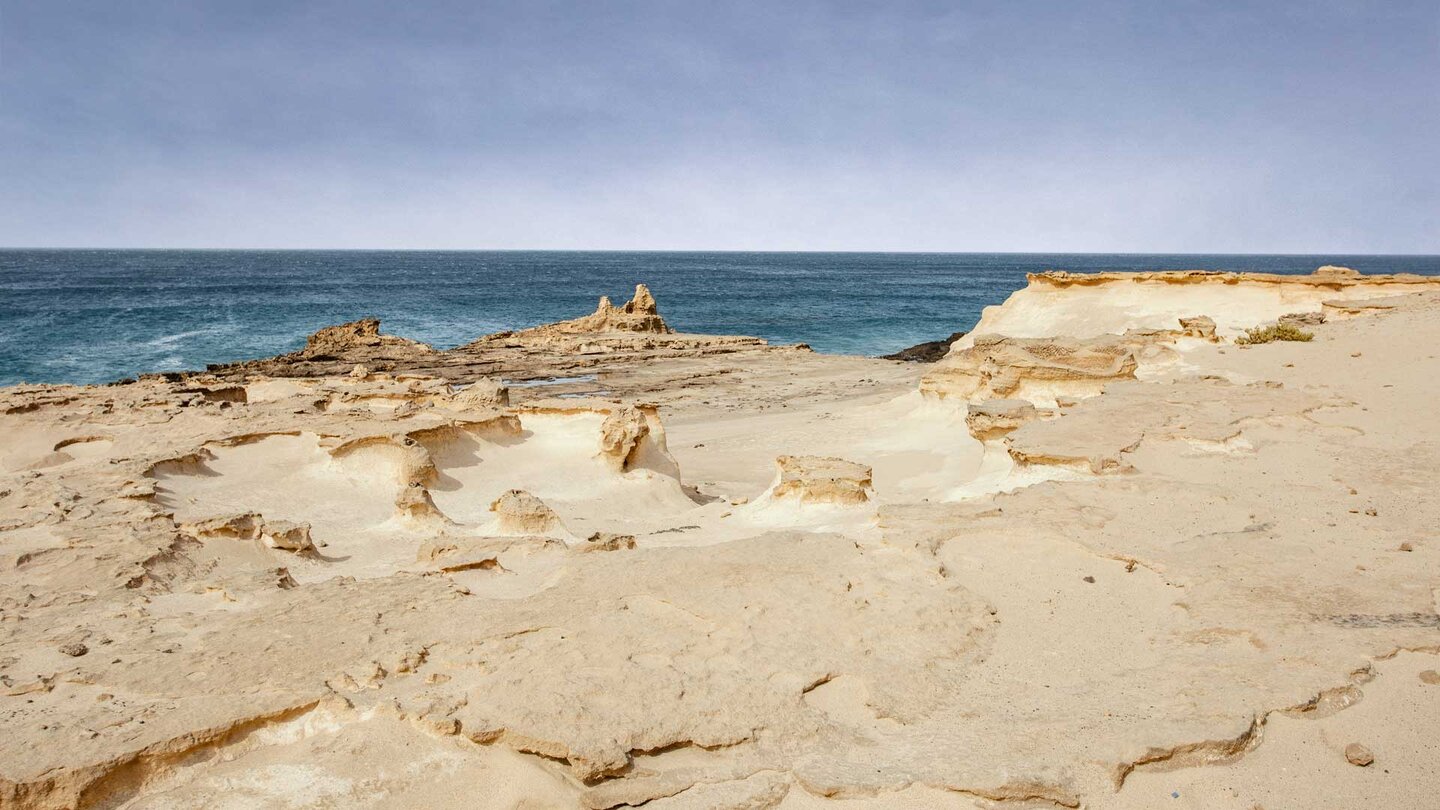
(1087, 305)
(1193, 568)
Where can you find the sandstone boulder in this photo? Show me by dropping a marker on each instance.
(820, 479)
(483, 393)
(1199, 326)
(518, 513)
(287, 536)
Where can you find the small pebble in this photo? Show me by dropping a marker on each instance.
(74, 649)
(1407, 547)
(1357, 754)
(1091, 580)
(1431, 677)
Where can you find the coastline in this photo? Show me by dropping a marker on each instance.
(1096, 555)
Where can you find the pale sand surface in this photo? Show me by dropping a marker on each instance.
(1068, 565)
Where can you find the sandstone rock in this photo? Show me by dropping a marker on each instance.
(287, 536)
(242, 526)
(415, 504)
(819, 479)
(1357, 754)
(1199, 326)
(1336, 272)
(639, 314)
(359, 372)
(74, 649)
(995, 418)
(1093, 304)
(621, 434)
(484, 392)
(517, 512)
(342, 337)
(1032, 368)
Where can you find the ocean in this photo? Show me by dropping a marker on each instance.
(88, 316)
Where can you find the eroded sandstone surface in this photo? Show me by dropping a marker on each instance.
(604, 564)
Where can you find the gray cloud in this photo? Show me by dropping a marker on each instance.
(905, 126)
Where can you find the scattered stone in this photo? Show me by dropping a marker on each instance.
(74, 649)
(1430, 677)
(1357, 754)
(1090, 580)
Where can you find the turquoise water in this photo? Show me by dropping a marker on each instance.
(85, 316)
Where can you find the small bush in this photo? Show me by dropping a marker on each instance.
(1272, 333)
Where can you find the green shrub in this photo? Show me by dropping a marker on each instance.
(1272, 333)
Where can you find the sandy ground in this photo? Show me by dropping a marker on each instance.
(691, 572)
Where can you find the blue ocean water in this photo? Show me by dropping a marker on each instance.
(84, 316)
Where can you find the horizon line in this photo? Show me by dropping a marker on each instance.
(710, 250)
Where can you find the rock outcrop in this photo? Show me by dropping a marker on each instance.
(995, 418)
(822, 480)
(483, 393)
(928, 352)
(356, 339)
(1081, 305)
(640, 315)
(518, 513)
(1035, 369)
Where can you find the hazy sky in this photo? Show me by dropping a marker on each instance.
(1308, 127)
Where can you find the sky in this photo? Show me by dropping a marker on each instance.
(1053, 125)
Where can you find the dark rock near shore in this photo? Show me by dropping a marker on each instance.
(929, 352)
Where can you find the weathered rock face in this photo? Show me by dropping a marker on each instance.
(1035, 369)
(1084, 305)
(621, 434)
(995, 418)
(816, 480)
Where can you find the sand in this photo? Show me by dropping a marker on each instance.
(1093, 557)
